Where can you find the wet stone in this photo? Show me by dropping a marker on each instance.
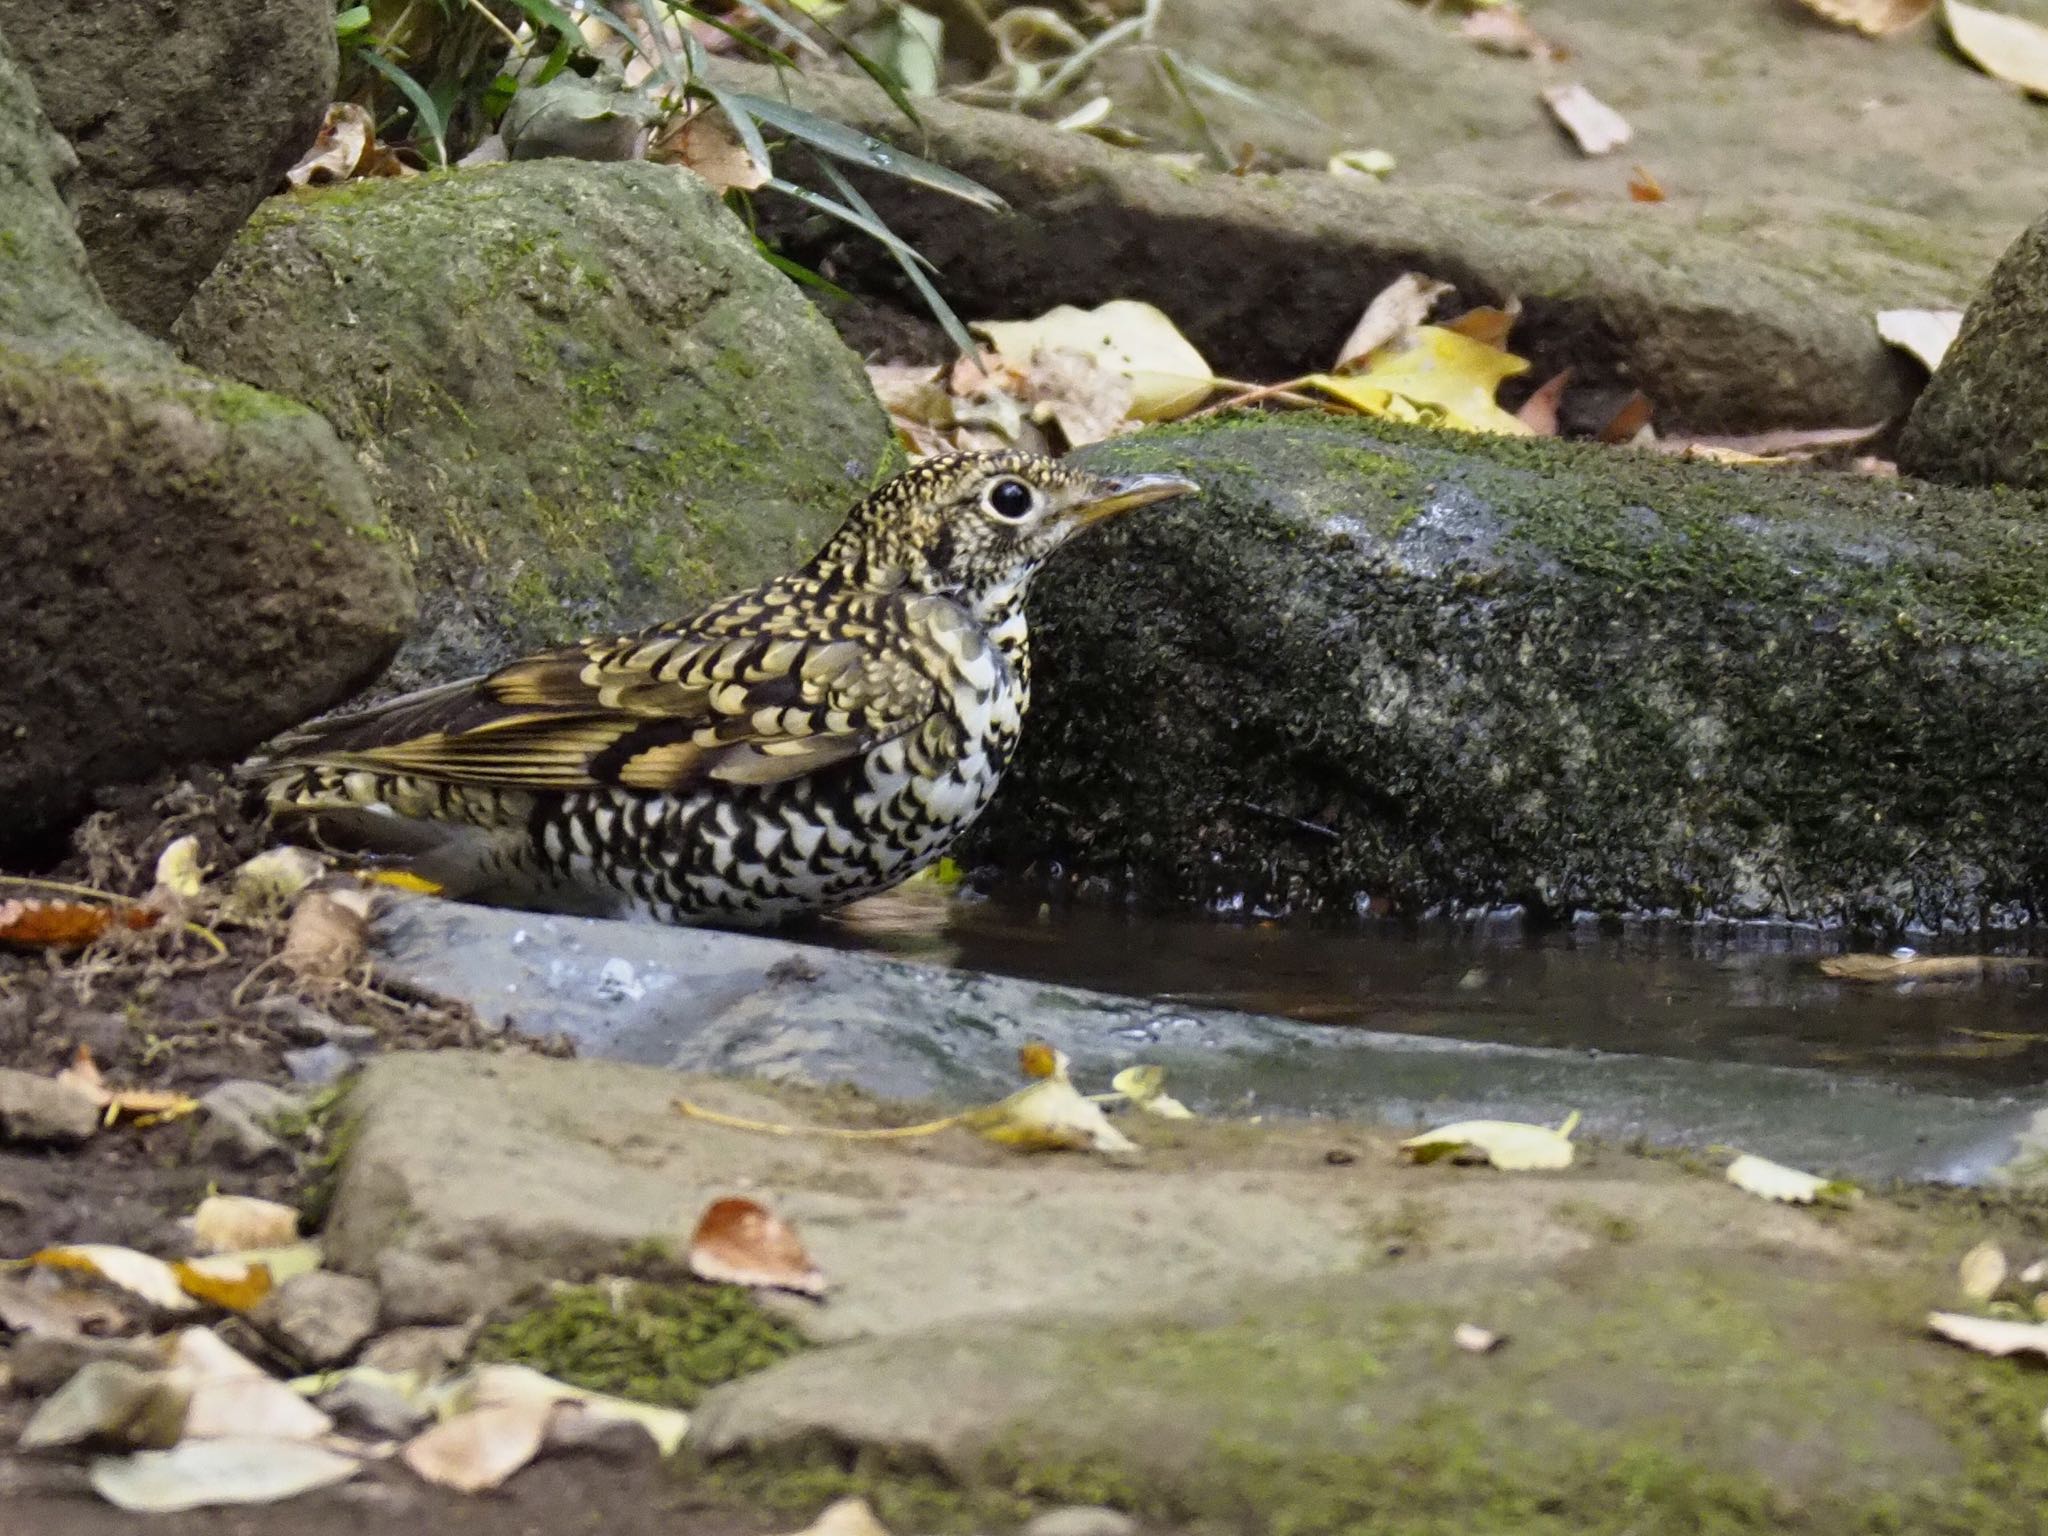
(41, 1109)
(320, 1318)
(237, 1120)
(318, 1065)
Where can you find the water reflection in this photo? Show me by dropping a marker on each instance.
(1747, 994)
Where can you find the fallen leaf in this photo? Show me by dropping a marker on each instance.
(224, 1223)
(329, 933)
(266, 884)
(740, 1242)
(1049, 1116)
(347, 131)
(1506, 1144)
(1368, 164)
(1905, 965)
(1168, 376)
(2007, 48)
(1644, 187)
(914, 391)
(2034, 1273)
(704, 142)
(1786, 446)
(1036, 1059)
(845, 1517)
(1145, 1086)
(481, 1447)
(491, 1385)
(1475, 1340)
(1926, 333)
(1990, 1335)
(202, 1473)
(150, 1278)
(1628, 420)
(1505, 29)
(1488, 324)
(1596, 127)
(1539, 412)
(109, 1401)
(44, 923)
(1774, 1181)
(1442, 376)
(31, 1306)
(178, 870)
(252, 1407)
(1981, 1272)
(1873, 18)
(1392, 316)
(145, 1106)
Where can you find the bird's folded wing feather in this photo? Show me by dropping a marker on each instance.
(655, 712)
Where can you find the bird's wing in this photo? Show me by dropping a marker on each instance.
(658, 711)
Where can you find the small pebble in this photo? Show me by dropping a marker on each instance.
(34, 1108)
(236, 1119)
(318, 1065)
(320, 1318)
(1081, 1520)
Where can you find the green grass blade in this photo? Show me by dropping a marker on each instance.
(425, 112)
(784, 27)
(746, 40)
(1219, 84)
(744, 125)
(864, 149)
(866, 223)
(798, 273)
(933, 301)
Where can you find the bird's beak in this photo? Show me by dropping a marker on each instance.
(1123, 493)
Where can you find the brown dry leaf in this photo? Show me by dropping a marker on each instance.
(1392, 316)
(1594, 126)
(1036, 1059)
(913, 391)
(1873, 18)
(1488, 324)
(1539, 411)
(328, 934)
(2007, 48)
(145, 1106)
(1789, 446)
(740, 1242)
(224, 1223)
(1990, 1335)
(1628, 421)
(37, 922)
(338, 148)
(1505, 29)
(1926, 333)
(1644, 187)
(479, 1449)
(704, 142)
(1905, 965)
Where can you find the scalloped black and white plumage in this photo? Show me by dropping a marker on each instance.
(791, 748)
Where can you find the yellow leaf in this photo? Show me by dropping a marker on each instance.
(2007, 48)
(1049, 1116)
(266, 884)
(1506, 1144)
(1440, 375)
(1774, 1181)
(150, 1278)
(178, 870)
(236, 1292)
(491, 1386)
(1145, 1086)
(1168, 376)
(1392, 316)
(404, 880)
(1037, 1059)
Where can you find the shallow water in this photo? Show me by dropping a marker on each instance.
(1744, 995)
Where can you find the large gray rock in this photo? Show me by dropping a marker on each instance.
(1427, 671)
(1724, 328)
(183, 118)
(1233, 1331)
(192, 564)
(1983, 419)
(579, 392)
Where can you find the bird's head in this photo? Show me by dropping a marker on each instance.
(977, 526)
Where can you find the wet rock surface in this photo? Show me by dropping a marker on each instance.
(581, 397)
(182, 119)
(697, 1000)
(1983, 419)
(1430, 672)
(192, 564)
(1727, 328)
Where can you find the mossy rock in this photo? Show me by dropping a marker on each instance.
(192, 564)
(580, 394)
(1983, 419)
(1394, 670)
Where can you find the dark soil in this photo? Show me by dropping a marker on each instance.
(162, 1009)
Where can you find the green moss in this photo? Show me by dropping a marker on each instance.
(1597, 1221)
(666, 1344)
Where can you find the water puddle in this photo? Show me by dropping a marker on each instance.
(1747, 996)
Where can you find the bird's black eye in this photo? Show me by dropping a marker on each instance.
(1010, 500)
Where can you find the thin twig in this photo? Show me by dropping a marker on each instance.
(770, 1128)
